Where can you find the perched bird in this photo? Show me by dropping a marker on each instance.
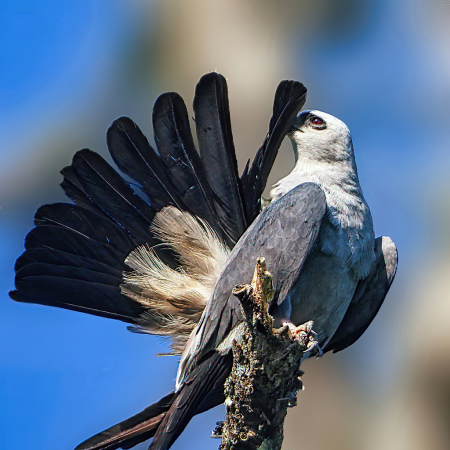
(168, 265)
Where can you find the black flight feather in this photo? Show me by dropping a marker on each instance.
(135, 157)
(207, 377)
(174, 142)
(132, 431)
(112, 194)
(60, 258)
(215, 140)
(79, 295)
(86, 223)
(367, 299)
(290, 96)
(203, 390)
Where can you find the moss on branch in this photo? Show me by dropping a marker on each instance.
(265, 377)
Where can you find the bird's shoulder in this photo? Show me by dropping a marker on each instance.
(284, 234)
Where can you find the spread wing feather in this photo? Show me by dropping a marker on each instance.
(112, 194)
(215, 141)
(174, 142)
(135, 157)
(290, 96)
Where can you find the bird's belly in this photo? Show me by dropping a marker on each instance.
(322, 293)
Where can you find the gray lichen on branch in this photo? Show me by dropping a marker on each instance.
(265, 377)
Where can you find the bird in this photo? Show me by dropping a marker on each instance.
(164, 253)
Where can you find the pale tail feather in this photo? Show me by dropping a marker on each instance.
(175, 298)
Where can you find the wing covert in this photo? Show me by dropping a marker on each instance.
(369, 296)
(283, 234)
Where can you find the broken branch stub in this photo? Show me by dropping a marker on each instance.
(265, 377)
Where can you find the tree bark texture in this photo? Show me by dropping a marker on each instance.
(265, 377)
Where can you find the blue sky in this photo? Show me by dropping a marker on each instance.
(65, 75)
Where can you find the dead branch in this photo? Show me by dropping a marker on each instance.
(266, 372)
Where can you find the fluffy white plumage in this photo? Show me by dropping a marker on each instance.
(175, 298)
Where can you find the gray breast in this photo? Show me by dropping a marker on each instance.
(325, 286)
(322, 293)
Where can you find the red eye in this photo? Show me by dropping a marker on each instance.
(317, 123)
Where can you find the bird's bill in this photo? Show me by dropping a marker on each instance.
(299, 121)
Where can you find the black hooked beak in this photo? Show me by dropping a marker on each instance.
(299, 121)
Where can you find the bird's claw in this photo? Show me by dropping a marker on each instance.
(314, 347)
(305, 334)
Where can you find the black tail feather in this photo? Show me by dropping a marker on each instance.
(60, 258)
(92, 238)
(69, 272)
(175, 144)
(77, 295)
(57, 238)
(202, 390)
(135, 157)
(86, 223)
(74, 190)
(74, 259)
(75, 256)
(112, 194)
(215, 140)
(83, 246)
(132, 431)
(290, 96)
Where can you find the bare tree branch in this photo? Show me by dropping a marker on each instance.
(266, 372)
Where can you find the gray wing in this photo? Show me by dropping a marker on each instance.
(283, 234)
(368, 297)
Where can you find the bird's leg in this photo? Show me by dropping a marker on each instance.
(306, 335)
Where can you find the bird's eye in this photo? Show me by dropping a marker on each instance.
(318, 123)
